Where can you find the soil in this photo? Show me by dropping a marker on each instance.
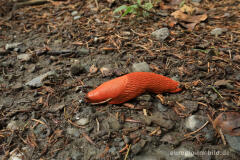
(51, 120)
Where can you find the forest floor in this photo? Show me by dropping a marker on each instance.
(52, 54)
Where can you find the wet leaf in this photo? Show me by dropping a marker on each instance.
(229, 123)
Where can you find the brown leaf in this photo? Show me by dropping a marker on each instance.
(188, 18)
(187, 9)
(229, 122)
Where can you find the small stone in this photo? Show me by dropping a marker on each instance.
(73, 132)
(106, 70)
(140, 67)
(16, 49)
(226, 15)
(233, 142)
(114, 124)
(237, 77)
(213, 96)
(11, 46)
(138, 147)
(161, 34)
(161, 107)
(84, 51)
(74, 13)
(126, 139)
(24, 57)
(121, 144)
(196, 1)
(77, 69)
(175, 78)
(76, 17)
(217, 31)
(112, 150)
(173, 138)
(161, 120)
(37, 82)
(82, 121)
(13, 125)
(194, 122)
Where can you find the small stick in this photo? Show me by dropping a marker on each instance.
(125, 158)
(188, 134)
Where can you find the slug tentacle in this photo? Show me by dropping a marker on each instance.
(124, 88)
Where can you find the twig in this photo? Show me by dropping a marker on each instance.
(216, 91)
(88, 138)
(125, 158)
(188, 134)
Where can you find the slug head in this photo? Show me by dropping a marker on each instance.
(94, 98)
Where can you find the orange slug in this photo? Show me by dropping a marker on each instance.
(129, 86)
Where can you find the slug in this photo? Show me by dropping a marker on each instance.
(129, 86)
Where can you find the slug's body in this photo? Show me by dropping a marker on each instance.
(124, 88)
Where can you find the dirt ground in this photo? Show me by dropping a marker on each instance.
(75, 45)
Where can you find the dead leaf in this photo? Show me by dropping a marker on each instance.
(222, 82)
(188, 18)
(189, 26)
(187, 9)
(228, 122)
(192, 21)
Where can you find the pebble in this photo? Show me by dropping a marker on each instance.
(161, 120)
(161, 34)
(138, 147)
(106, 70)
(24, 57)
(196, 1)
(84, 51)
(73, 132)
(114, 124)
(213, 96)
(76, 17)
(74, 13)
(237, 77)
(217, 31)
(161, 107)
(77, 69)
(194, 122)
(141, 67)
(173, 138)
(37, 82)
(126, 139)
(11, 46)
(82, 121)
(233, 142)
(112, 150)
(13, 125)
